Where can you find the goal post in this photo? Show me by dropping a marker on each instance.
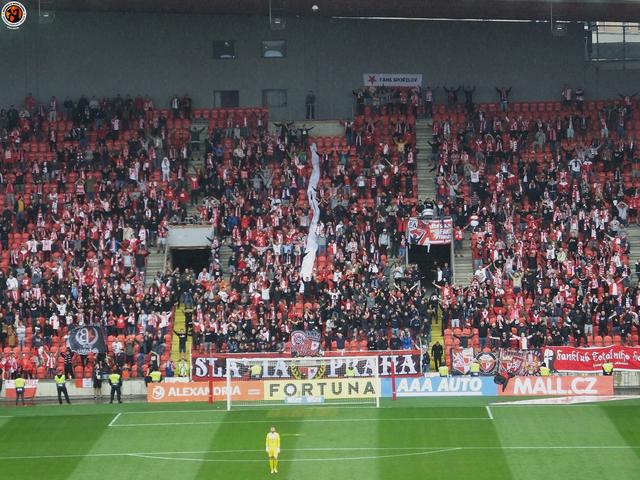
(315, 381)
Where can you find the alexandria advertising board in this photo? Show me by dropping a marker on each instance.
(199, 391)
(407, 362)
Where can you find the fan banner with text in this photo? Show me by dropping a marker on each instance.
(584, 359)
(407, 363)
(392, 79)
(430, 232)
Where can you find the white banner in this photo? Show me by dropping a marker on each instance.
(306, 269)
(392, 79)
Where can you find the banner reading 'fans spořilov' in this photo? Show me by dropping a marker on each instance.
(392, 79)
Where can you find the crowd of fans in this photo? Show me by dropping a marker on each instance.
(257, 203)
(87, 188)
(545, 191)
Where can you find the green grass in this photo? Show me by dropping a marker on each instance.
(409, 438)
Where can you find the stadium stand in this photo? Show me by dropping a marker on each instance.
(547, 192)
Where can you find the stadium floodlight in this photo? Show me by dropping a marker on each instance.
(314, 381)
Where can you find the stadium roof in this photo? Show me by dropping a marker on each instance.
(584, 10)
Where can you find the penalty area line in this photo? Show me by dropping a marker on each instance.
(114, 420)
(304, 420)
(489, 412)
(424, 450)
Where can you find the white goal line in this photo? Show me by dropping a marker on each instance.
(410, 450)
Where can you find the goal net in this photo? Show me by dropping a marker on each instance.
(313, 381)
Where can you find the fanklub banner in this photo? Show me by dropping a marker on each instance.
(305, 343)
(430, 232)
(392, 79)
(572, 359)
(331, 365)
(518, 362)
(461, 360)
(86, 340)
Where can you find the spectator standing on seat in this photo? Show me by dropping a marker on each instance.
(68, 363)
(504, 92)
(310, 103)
(96, 376)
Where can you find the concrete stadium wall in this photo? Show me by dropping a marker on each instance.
(166, 54)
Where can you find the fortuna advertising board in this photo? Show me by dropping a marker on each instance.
(330, 389)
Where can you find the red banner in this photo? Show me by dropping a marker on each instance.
(559, 385)
(427, 232)
(572, 359)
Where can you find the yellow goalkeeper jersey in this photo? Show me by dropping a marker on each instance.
(273, 441)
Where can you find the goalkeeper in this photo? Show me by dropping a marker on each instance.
(273, 449)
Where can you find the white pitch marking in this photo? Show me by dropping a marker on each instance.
(424, 448)
(305, 420)
(114, 419)
(329, 459)
(489, 412)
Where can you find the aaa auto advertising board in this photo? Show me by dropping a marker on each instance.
(199, 391)
(331, 365)
(571, 359)
(559, 385)
(457, 386)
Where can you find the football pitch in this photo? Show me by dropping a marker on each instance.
(409, 438)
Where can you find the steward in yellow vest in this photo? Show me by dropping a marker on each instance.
(20, 383)
(115, 380)
(607, 369)
(443, 371)
(61, 386)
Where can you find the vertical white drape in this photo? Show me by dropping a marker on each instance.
(311, 248)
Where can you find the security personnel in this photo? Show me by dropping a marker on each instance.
(156, 376)
(256, 371)
(351, 372)
(19, 383)
(607, 369)
(443, 371)
(115, 380)
(544, 370)
(61, 386)
(475, 369)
